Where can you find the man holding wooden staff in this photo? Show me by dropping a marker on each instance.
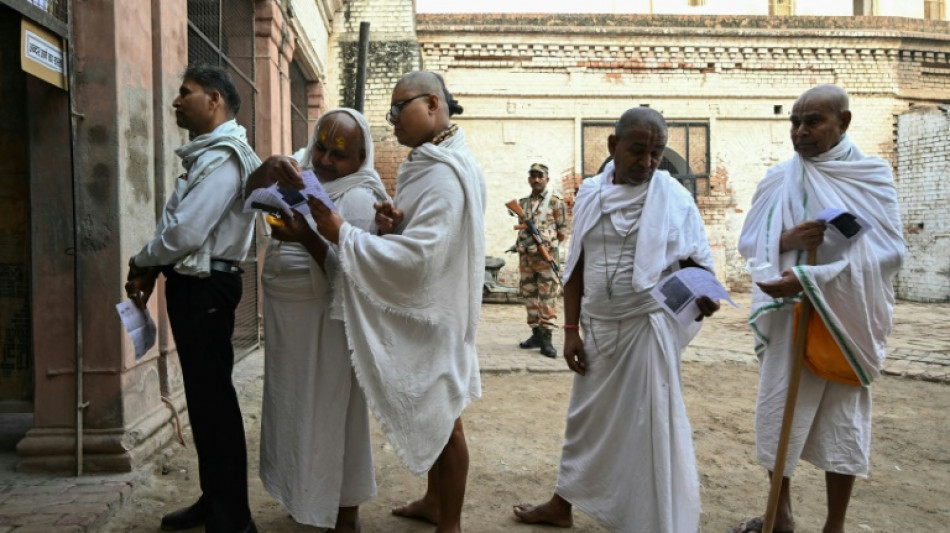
(850, 287)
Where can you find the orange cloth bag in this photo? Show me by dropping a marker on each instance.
(823, 356)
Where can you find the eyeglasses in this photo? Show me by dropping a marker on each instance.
(396, 109)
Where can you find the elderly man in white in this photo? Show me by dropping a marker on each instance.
(628, 459)
(851, 288)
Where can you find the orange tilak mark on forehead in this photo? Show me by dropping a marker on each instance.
(340, 143)
(322, 135)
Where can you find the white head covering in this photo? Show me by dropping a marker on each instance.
(365, 176)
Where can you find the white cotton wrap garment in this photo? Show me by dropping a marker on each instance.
(852, 286)
(412, 299)
(318, 459)
(628, 457)
(667, 201)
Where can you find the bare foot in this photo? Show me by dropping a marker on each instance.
(419, 510)
(554, 512)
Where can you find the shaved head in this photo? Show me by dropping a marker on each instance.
(637, 145)
(833, 96)
(422, 107)
(640, 116)
(819, 119)
(425, 82)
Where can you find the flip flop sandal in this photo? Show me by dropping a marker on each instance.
(756, 525)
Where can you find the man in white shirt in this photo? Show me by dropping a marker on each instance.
(201, 238)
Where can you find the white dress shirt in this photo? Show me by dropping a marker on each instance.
(214, 210)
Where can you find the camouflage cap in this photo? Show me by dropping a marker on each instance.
(538, 167)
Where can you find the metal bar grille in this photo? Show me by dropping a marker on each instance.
(300, 127)
(222, 34)
(686, 157)
(56, 8)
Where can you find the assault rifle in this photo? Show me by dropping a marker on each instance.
(527, 224)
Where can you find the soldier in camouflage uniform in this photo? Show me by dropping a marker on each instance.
(539, 285)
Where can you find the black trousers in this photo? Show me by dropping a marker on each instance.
(201, 313)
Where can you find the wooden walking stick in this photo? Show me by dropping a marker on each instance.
(798, 359)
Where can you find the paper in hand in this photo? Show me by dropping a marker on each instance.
(677, 293)
(139, 325)
(277, 199)
(849, 225)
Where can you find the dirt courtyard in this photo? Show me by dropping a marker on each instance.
(514, 435)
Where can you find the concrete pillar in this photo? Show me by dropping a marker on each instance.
(116, 137)
(274, 50)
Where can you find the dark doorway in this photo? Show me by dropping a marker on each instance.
(16, 353)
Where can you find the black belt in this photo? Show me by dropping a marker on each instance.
(224, 265)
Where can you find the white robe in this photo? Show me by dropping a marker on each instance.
(628, 458)
(412, 299)
(851, 288)
(316, 452)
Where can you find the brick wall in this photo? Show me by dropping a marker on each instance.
(529, 81)
(393, 51)
(923, 163)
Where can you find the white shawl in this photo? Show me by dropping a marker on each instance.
(202, 156)
(852, 285)
(670, 222)
(412, 300)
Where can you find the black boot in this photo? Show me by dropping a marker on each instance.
(187, 518)
(547, 349)
(534, 341)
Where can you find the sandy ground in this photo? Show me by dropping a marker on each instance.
(514, 434)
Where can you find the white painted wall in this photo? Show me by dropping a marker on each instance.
(824, 7)
(505, 150)
(312, 21)
(894, 8)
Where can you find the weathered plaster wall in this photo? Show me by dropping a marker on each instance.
(312, 21)
(740, 75)
(516, 143)
(923, 163)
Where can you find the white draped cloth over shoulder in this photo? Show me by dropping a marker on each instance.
(851, 288)
(852, 284)
(316, 453)
(628, 457)
(412, 299)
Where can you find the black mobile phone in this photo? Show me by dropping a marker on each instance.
(847, 224)
(266, 208)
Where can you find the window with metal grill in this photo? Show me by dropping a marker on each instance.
(781, 7)
(299, 126)
(686, 157)
(221, 32)
(865, 7)
(935, 9)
